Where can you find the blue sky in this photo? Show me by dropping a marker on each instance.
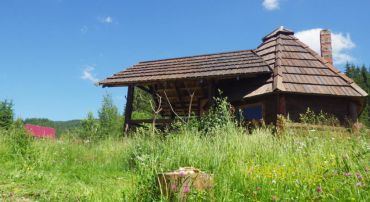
(52, 50)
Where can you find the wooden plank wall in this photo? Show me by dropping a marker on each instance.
(337, 106)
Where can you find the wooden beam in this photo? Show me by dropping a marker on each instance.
(281, 104)
(140, 121)
(146, 89)
(128, 109)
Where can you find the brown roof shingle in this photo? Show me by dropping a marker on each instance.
(299, 69)
(202, 66)
(293, 67)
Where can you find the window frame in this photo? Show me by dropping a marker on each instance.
(244, 106)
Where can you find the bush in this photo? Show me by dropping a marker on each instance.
(89, 128)
(20, 141)
(108, 125)
(217, 117)
(322, 118)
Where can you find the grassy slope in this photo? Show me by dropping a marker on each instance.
(254, 167)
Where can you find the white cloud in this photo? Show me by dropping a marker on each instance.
(271, 4)
(341, 44)
(106, 20)
(87, 74)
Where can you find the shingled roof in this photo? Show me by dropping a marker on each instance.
(202, 66)
(299, 69)
(293, 67)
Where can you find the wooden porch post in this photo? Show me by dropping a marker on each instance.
(281, 105)
(128, 109)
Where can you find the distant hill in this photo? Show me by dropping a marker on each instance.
(60, 126)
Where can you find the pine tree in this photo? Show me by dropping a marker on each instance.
(361, 75)
(6, 114)
(110, 123)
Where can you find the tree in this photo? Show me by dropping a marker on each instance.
(141, 104)
(110, 122)
(6, 114)
(361, 75)
(90, 127)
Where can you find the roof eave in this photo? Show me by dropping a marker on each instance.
(107, 83)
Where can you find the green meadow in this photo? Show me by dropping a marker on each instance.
(257, 165)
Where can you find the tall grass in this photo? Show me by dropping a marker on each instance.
(298, 166)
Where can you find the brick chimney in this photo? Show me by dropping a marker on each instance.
(325, 44)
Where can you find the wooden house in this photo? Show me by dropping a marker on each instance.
(281, 76)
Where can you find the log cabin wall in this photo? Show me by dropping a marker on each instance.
(235, 89)
(337, 106)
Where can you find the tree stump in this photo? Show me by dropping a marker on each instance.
(181, 182)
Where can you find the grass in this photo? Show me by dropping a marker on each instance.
(298, 166)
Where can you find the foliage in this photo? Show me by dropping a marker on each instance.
(141, 104)
(110, 122)
(20, 141)
(217, 117)
(6, 114)
(322, 118)
(361, 75)
(90, 127)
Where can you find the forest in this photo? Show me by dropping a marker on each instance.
(361, 75)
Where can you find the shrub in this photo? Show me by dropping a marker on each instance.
(20, 141)
(89, 127)
(217, 117)
(322, 118)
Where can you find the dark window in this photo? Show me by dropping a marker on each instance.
(252, 112)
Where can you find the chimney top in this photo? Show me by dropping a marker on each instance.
(325, 45)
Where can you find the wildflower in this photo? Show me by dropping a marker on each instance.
(359, 176)
(186, 189)
(347, 174)
(273, 181)
(173, 187)
(318, 189)
(182, 173)
(358, 184)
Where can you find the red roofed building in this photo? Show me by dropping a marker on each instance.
(40, 131)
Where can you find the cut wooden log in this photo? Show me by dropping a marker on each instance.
(177, 184)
